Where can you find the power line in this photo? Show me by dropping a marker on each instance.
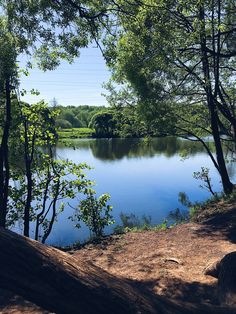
(77, 85)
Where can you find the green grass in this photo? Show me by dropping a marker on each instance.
(76, 133)
(141, 227)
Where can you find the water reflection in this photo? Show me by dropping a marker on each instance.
(143, 177)
(117, 149)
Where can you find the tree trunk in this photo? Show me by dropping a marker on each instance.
(29, 198)
(2, 205)
(225, 271)
(227, 185)
(4, 157)
(227, 280)
(28, 172)
(54, 212)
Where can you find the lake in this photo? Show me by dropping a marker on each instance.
(143, 177)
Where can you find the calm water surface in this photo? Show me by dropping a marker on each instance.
(141, 177)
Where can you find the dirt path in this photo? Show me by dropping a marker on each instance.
(168, 263)
(171, 262)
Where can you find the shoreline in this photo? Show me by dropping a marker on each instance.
(169, 264)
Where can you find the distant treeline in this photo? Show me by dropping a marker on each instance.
(76, 116)
(106, 121)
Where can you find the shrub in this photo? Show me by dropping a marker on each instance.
(95, 213)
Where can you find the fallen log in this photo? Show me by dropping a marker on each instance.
(57, 282)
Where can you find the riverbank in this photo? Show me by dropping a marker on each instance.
(74, 133)
(169, 263)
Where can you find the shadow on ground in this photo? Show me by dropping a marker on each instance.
(223, 223)
(201, 298)
(179, 290)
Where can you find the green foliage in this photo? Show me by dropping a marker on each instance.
(76, 116)
(180, 67)
(162, 226)
(199, 208)
(40, 182)
(95, 213)
(193, 210)
(203, 175)
(31, 126)
(104, 124)
(132, 223)
(55, 183)
(70, 117)
(192, 207)
(63, 124)
(37, 126)
(76, 133)
(43, 28)
(184, 199)
(178, 216)
(129, 122)
(128, 113)
(8, 55)
(144, 57)
(45, 184)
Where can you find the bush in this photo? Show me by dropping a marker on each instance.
(133, 223)
(95, 213)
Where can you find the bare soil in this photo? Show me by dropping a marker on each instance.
(10, 303)
(170, 262)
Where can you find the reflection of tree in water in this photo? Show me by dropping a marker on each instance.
(231, 169)
(115, 149)
(16, 155)
(229, 150)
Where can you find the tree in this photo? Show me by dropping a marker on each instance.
(178, 56)
(36, 129)
(42, 185)
(44, 29)
(7, 82)
(53, 184)
(95, 213)
(70, 117)
(104, 124)
(63, 124)
(129, 121)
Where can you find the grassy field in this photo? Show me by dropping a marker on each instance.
(76, 133)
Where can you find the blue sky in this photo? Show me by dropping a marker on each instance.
(79, 83)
